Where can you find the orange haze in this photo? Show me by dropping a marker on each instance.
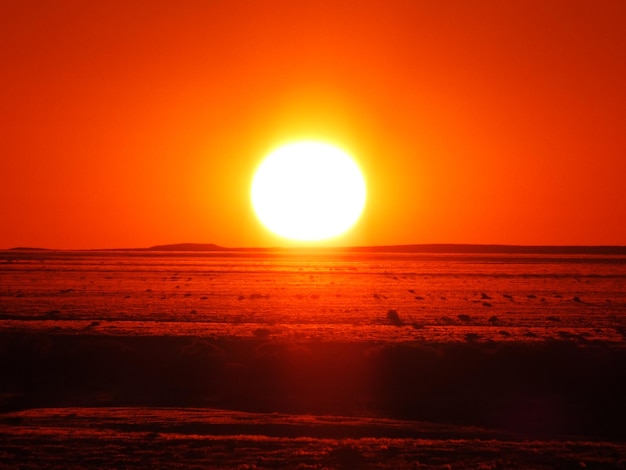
(138, 123)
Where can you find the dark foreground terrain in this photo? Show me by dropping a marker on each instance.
(205, 438)
(134, 401)
(312, 360)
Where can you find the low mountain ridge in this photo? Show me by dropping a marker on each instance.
(414, 248)
(189, 247)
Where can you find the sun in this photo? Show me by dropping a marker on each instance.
(308, 191)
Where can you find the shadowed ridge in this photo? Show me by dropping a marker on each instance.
(493, 248)
(434, 248)
(414, 248)
(188, 247)
(28, 248)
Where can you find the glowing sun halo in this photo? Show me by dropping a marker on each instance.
(308, 191)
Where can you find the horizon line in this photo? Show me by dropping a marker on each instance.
(476, 248)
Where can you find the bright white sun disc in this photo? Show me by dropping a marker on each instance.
(308, 191)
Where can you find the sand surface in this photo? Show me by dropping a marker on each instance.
(335, 361)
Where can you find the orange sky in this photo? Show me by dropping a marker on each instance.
(130, 123)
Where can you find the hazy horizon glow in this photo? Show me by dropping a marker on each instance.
(135, 124)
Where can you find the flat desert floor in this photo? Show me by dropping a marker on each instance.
(298, 360)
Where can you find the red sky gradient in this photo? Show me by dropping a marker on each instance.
(130, 123)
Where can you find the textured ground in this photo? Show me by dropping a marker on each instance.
(359, 361)
(201, 438)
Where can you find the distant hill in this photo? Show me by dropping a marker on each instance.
(434, 248)
(504, 249)
(28, 248)
(421, 248)
(189, 247)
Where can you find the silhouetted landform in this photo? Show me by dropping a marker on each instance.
(28, 248)
(434, 248)
(416, 248)
(189, 247)
(504, 249)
